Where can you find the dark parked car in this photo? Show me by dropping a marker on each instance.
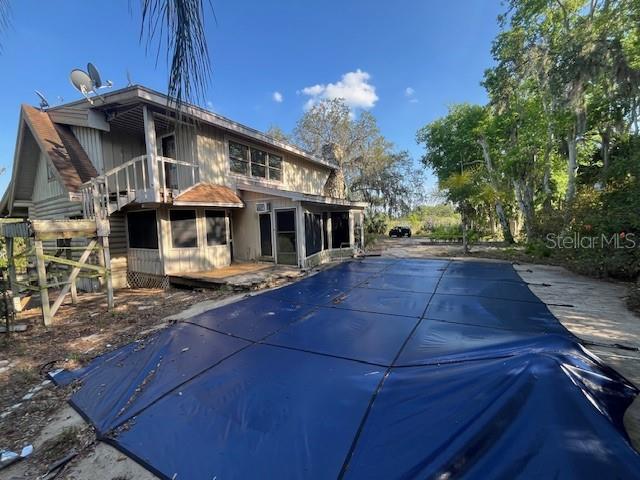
(400, 232)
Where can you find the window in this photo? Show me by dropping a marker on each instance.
(255, 162)
(168, 146)
(238, 156)
(259, 163)
(143, 229)
(216, 227)
(275, 167)
(340, 229)
(184, 233)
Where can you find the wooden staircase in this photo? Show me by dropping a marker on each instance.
(143, 179)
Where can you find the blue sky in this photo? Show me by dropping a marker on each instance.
(405, 61)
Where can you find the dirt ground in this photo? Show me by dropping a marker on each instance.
(28, 403)
(31, 411)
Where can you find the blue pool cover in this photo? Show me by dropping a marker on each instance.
(373, 369)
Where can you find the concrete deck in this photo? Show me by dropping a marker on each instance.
(595, 311)
(241, 276)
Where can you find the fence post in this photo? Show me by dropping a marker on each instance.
(104, 240)
(42, 283)
(13, 280)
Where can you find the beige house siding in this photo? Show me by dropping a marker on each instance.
(246, 225)
(299, 175)
(304, 176)
(197, 259)
(212, 157)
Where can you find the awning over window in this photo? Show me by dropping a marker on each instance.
(209, 194)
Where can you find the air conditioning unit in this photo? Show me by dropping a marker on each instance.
(263, 207)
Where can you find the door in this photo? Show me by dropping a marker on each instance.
(266, 248)
(286, 237)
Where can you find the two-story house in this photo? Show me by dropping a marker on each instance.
(183, 191)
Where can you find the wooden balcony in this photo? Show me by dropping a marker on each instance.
(143, 179)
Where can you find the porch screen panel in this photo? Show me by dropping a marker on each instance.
(357, 225)
(313, 232)
(184, 233)
(325, 229)
(216, 227)
(142, 228)
(340, 229)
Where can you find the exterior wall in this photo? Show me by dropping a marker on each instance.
(324, 256)
(119, 146)
(212, 157)
(246, 225)
(197, 259)
(118, 249)
(304, 176)
(299, 175)
(91, 141)
(51, 201)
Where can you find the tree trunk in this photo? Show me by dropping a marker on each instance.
(524, 196)
(465, 240)
(572, 170)
(606, 149)
(546, 203)
(502, 217)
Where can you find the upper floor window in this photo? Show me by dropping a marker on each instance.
(255, 162)
(168, 146)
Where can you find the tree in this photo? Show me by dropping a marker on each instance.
(177, 27)
(372, 170)
(278, 134)
(456, 142)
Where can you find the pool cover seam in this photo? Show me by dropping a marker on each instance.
(363, 421)
(251, 343)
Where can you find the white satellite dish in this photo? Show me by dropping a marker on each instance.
(43, 101)
(87, 83)
(82, 82)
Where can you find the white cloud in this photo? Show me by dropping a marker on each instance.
(410, 92)
(353, 87)
(277, 97)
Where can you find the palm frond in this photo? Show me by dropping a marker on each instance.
(178, 27)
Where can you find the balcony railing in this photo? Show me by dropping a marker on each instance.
(137, 181)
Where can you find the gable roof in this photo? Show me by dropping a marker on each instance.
(60, 147)
(209, 194)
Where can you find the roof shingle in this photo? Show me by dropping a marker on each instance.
(62, 147)
(211, 194)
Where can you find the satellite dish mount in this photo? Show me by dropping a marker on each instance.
(87, 83)
(44, 104)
